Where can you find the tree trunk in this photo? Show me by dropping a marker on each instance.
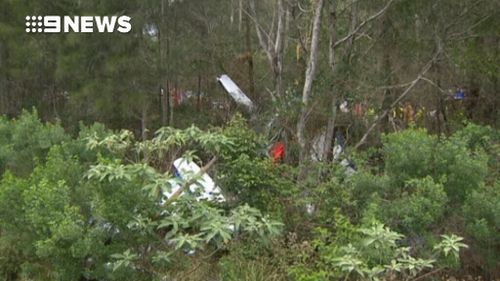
(164, 91)
(279, 46)
(144, 123)
(248, 47)
(273, 43)
(172, 103)
(332, 19)
(309, 78)
(354, 24)
(198, 97)
(167, 103)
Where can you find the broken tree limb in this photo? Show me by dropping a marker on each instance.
(413, 83)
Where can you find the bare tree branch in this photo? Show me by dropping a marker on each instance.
(394, 86)
(461, 35)
(273, 42)
(459, 18)
(433, 84)
(413, 83)
(261, 34)
(361, 25)
(280, 33)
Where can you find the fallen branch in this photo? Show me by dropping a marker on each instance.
(412, 84)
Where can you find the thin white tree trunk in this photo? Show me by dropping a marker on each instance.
(349, 39)
(273, 42)
(354, 23)
(144, 123)
(309, 78)
(332, 19)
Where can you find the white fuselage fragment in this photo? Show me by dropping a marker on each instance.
(235, 92)
(204, 187)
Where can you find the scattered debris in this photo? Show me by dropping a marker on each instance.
(350, 167)
(344, 106)
(359, 111)
(278, 152)
(318, 146)
(339, 146)
(459, 94)
(310, 209)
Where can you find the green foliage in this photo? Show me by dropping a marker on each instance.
(450, 245)
(234, 267)
(246, 140)
(409, 155)
(418, 193)
(481, 210)
(365, 184)
(45, 208)
(463, 169)
(249, 176)
(413, 154)
(477, 137)
(417, 207)
(91, 207)
(257, 181)
(26, 139)
(375, 254)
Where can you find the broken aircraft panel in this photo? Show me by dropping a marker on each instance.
(204, 186)
(235, 92)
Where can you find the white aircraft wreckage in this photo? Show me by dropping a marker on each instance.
(235, 92)
(203, 185)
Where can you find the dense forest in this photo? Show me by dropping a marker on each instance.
(362, 142)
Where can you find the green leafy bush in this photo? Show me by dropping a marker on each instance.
(91, 208)
(251, 177)
(481, 211)
(375, 253)
(417, 207)
(25, 139)
(48, 227)
(413, 154)
(409, 154)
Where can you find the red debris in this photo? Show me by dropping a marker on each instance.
(278, 152)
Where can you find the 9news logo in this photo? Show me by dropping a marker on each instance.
(77, 24)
